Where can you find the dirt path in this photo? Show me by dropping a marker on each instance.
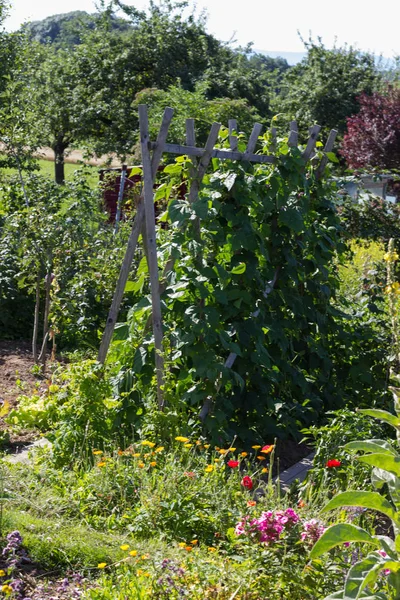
(75, 156)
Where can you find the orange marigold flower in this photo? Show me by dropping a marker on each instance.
(264, 470)
(120, 453)
(206, 446)
(243, 454)
(101, 464)
(256, 447)
(141, 465)
(212, 549)
(153, 463)
(261, 457)
(188, 548)
(251, 503)
(133, 553)
(180, 438)
(194, 542)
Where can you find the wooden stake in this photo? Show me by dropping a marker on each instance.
(293, 135)
(233, 141)
(132, 243)
(314, 131)
(253, 139)
(152, 251)
(328, 148)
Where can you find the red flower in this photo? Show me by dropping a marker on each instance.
(189, 474)
(233, 464)
(333, 463)
(267, 449)
(247, 482)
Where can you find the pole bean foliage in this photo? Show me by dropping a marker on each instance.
(255, 275)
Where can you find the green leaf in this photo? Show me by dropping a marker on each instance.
(371, 500)
(174, 169)
(387, 462)
(239, 269)
(292, 218)
(332, 157)
(362, 574)
(383, 415)
(130, 286)
(339, 534)
(370, 446)
(121, 332)
(135, 171)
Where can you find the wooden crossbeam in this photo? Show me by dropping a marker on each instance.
(217, 153)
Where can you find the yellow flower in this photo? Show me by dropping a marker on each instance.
(232, 450)
(7, 589)
(101, 464)
(223, 451)
(391, 257)
(261, 457)
(206, 446)
(136, 455)
(182, 544)
(133, 553)
(2, 573)
(153, 463)
(149, 444)
(212, 549)
(101, 565)
(264, 470)
(145, 556)
(97, 452)
(209, 468)
(243, 454)
(198, 443)
(256, 447)
(141, 465)
(159, 449)
(124, 546)
(181, 439)
(194, 542)
(217, 459)
(188, 445)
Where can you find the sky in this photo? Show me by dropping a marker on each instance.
(270, 25)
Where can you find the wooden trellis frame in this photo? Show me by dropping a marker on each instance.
(144, 221)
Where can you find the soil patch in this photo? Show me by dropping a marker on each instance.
(16, 378)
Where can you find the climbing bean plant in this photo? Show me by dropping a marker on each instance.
(255, 275)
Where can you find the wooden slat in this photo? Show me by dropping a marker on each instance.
(314, 131)
(132, 243)
(190, 133)
(148, 195)
(233, 141)
(253, 139)
(293, 135)
(328, 148)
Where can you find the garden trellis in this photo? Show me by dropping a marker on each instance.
(144, 222)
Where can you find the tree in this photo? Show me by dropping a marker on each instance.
(66, 30)
(373, 135)
(323, 88)
(57, 107)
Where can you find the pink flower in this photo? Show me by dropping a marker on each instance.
(312, 531)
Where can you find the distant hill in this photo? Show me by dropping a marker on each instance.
(66, 29)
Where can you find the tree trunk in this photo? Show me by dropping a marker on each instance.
(59, 150)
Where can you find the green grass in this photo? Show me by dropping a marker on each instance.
(46, 168)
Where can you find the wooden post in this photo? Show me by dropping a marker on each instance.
(328, 148)
(120, 198)
(152, 251)
(132, 243)
(314, 131)
(293, 135)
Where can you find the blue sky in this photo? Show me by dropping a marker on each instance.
(271, 25)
